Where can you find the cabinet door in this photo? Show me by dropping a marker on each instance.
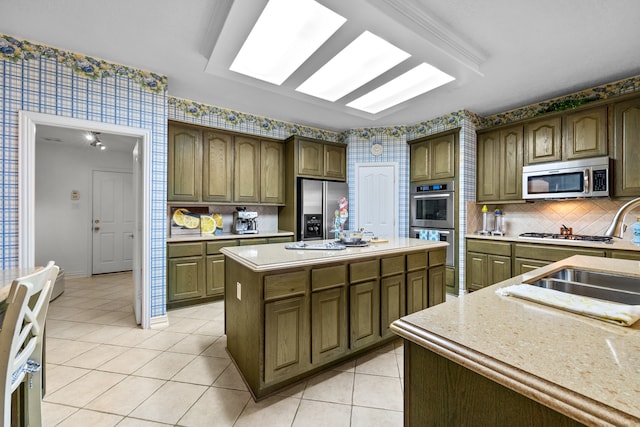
(184, 164)
(247, 170)
(542, 141)
(365, 313)
(335, 162)
(417, 293)
(499, 268)
(392, 301)
(510, 164)
(215, 275)
(626, 141)
(217, 167)
(285, 338)
(522, 265)
(329, 324)
(437, 285)
(443, 157)
(420, 160)
(310, 158)
(476, 271)
(488, 171)
(585, 134)
(272, 172)
(186, 278)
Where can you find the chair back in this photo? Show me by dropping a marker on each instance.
(23, 328)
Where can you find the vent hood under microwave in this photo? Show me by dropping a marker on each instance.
(562, 180)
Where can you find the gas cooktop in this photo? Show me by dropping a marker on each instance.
(580, 237)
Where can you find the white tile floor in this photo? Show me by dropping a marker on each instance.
(102, 370)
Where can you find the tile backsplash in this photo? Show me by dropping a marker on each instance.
(590, 216)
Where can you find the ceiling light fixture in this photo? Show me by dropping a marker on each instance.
(285, 35)
(414, 82)
(361, 61)
(95, 140)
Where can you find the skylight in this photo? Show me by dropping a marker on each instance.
(361, 61)
(414, 82)
(285, 35)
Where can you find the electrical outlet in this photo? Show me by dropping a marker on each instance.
(239, 291)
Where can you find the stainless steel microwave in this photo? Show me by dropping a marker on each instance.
(571, 179)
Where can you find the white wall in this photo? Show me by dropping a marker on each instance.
(63, 226)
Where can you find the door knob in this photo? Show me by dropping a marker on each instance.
(96, 228)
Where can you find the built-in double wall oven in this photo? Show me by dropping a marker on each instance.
(432, 208)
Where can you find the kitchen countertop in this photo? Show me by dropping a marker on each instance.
(618, 244)
(274, 256)
(227, 236)
(584, 368)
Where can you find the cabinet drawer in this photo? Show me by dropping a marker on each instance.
(437, 257)
(485, 247)
(366, 270)
(247, 242)
(213, 248)
(285, 285)
(285, 239)
(392, 265)
(178, 250)
(328, 277)
(553, 253)
(416, 261)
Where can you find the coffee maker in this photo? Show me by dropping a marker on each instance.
(244, 222)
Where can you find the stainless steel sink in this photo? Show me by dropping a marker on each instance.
(594, 284)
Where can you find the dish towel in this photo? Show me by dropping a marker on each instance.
(430, 235)
(620, 314)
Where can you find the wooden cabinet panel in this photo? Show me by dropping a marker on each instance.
(552, 252)
(392, 301)
(184, 164)
(626, 142)
(285, 338)
(510, 164)
(433, 158)
(335, 161)
(392, 265)
(489, 247)
(625, 255)
(488, 170)
(217, 168)
(437, 257)
(272, 172)
(286, 239)
(328, 277)
(310, 158)
(585, 134)
(498, 268)
(329, 324)
(364, 310)
(417, 292)
(417, 261)
(186, 278)
(213, 248)
(246, 182)
(542, 140)
(249, 242)
(177, 250)
(437, 286)
(522, 265)
(215, 275)
(476, 271)
(285, 285)
(365, 270)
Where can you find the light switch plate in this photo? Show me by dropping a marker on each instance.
(239, 291)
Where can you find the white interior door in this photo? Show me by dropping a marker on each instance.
(377, 198)
(113, 222)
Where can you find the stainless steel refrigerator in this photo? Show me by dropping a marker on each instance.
(318, 202)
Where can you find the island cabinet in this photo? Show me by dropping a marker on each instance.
(284, 323)
(210, 165)
(433, 157)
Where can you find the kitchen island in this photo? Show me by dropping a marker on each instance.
(485, 359)
(290, 313)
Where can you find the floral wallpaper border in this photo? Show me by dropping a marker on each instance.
(14, 49)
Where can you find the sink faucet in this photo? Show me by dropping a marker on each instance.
(617, 226)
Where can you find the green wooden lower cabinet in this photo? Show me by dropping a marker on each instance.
(215, 275)
(439, 392)
(284, 325)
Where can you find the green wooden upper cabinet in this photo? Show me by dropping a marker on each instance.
(211, 165)
(499, 171)
(433, 157)
(626, 148)
(321, 159)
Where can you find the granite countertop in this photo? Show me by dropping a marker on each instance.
(584, 368)
(617, 244)
(226, 236)
(275, 256)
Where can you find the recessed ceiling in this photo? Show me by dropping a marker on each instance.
(503, 54)
(70, 137)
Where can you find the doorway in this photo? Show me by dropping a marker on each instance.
(377, 198)
(141, 252)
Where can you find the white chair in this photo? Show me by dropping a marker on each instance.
(21, 340)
